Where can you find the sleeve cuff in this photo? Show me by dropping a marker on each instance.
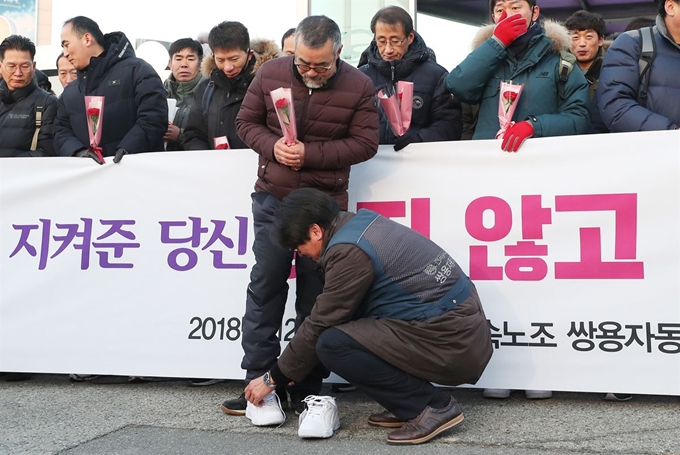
(278, 376)
(536, 124)
(499, 42)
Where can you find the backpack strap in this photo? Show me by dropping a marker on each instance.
(39, 109)
(647, 55)
(207, 97)
(567, 62)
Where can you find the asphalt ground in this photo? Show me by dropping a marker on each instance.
(51, 415)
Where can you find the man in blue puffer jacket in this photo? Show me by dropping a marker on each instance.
(398, 53)
(618, 95)
(520, 49)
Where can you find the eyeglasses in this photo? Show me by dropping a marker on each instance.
(319, 69)
(393, 42)
(11, 67)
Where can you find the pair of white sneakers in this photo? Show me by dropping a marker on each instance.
(319, 420)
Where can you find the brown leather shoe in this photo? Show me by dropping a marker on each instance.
(427, 425)
(384, 419)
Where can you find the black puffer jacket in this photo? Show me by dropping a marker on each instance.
(222, 106)
(17, 120)
(436, 113)
(223, 100)
(135, 106)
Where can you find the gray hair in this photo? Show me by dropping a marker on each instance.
(315, 31)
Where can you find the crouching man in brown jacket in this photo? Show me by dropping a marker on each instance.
(396, 313)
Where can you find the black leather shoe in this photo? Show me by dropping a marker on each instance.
(384, 419)
(16, 377)
(427, 425)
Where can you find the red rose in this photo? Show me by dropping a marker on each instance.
(281, 102)
(510, 96)
(93, 111)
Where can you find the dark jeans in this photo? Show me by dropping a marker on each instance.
(267, 295)
(400, 393)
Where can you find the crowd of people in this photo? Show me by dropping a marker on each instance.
(379, 304)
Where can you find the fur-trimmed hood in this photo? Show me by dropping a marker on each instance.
(263, 50)
(556, 32)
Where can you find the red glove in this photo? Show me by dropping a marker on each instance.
(515, 136)
(508, 29)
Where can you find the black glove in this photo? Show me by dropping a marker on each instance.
(119, 155)
(408, 138)
(85, 153)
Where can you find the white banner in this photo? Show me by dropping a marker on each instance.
(141, 268)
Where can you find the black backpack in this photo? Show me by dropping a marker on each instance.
(39, 109)
(647, 55)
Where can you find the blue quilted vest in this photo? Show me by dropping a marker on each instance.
(414, 279)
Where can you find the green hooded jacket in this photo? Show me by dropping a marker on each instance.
(477, 81)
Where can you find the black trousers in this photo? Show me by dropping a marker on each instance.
(267, 295)
(399, 392)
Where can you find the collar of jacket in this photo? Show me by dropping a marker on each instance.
(417, 53)
(339, 221)
(224, 83)
(593, 73)
(328, 84)
(661, 27)
(116, 48)
(521, 45)
(180, 90)
(263, 50)
(9, 97)
(538, 47)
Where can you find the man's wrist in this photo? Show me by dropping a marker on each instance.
(268, 380)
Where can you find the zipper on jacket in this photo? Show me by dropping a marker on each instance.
(310, 92)
(392, 66)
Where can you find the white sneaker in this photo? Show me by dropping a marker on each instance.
(320, 418)
(618, 397)
(270, 413)
(82, 377)
(538, 394)
(496, 393)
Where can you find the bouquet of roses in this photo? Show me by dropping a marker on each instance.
(507, 103)
(94, 111)
(397, 103)
(283, 104)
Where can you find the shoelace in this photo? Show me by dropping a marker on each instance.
(316, 404)
(272, 399)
